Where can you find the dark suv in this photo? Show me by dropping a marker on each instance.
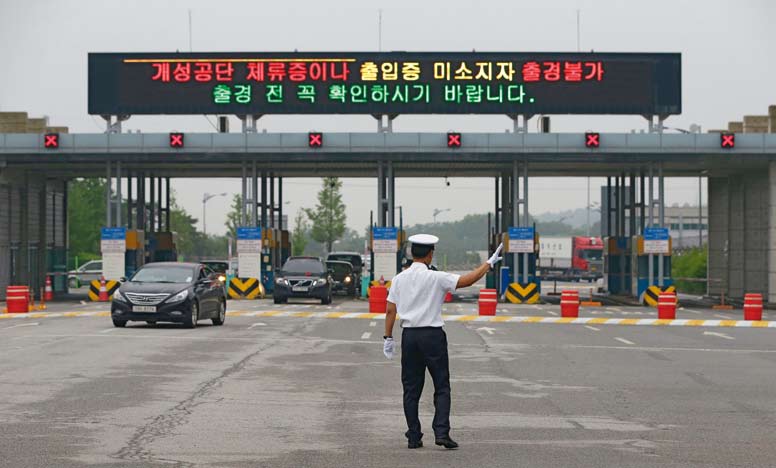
(305, 277)
(354, 258)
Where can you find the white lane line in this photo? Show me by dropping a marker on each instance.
(21, 325)
(623, 340)
(372, 324)
(366, 335)
(721, 335)
(592, 328)
(696, 312)
(108, 330)
(552, 312)
(724, 317)
(257, 324)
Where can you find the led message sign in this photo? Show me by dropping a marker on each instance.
(384, 83)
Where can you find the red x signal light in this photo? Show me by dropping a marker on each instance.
(51, 140)
(176, 140)
(592, 139)
(454, 140)
(315, 139)
(727, 140)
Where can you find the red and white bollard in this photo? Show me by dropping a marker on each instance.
(48, 294)
(569, 303)
(753, 307)
(666, 306)
(488, 301)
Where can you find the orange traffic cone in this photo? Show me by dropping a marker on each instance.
(103, 297)
(31, 305)
(49, 293)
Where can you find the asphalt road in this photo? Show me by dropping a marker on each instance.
(298, 389)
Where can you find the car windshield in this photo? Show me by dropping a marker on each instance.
(339, 269)
(302, 266)
(354, 260)
(218, 267)
(166, 274)
(592, 254)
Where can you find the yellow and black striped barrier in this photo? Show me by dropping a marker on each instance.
(94, 289)
(517, 293)
(245, 288)
(652, 294)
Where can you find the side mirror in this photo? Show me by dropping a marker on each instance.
(122, 279)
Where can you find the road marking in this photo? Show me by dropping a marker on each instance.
(623, 340)
(696, 312)
(487, 330)
(372, 324)
(552, 312)
(723, 317)
(108, 330)
(21, 325)
(366, 335)
(721, 335)
(257, 324)
(592, 328)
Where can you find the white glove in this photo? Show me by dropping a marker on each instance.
(495, 258)
(388, 347)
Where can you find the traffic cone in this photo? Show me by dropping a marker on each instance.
(103, 297)
(49, 293)
(31, 305)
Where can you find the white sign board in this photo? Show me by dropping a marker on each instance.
(521, 239)
(249, 265)
(113, 245)
(385, 265)
(656, 241)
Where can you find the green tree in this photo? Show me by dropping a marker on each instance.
(328, 217)
(234, 217)
(299, 234)
(690, 264)
(86, 215)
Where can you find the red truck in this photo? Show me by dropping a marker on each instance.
(571, 258)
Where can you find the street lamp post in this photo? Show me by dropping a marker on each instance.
(205, 198)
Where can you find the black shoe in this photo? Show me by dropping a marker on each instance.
(447, 442)
(414, 444)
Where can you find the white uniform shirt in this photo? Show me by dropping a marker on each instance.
(419, 294)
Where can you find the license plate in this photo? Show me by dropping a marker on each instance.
(300, 289)
(143, 309)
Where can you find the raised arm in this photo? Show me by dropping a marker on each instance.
(473, 276)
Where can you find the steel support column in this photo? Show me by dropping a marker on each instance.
(390, 195)
(108, 196)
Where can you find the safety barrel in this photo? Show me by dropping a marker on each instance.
(753, 306)
(378, 299)
(666, 306)
(17, 299)
(569, 303)
(488, 301)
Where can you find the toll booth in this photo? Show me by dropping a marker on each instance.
(617, 265)
(655, 247)
(270, 257)
(521, 247)
(134, 256)
(160, 247)
(285, 247)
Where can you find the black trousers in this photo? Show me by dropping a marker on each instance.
(421, 349)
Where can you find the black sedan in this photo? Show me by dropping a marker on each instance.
(170, 292)
(343, 277)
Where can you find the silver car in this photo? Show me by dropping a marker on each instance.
(85, 274)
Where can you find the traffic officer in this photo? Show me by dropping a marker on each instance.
(417, 294)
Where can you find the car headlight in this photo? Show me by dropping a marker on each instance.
(222, 278)
(117, 296)
(347, 279)
(320, 281)
(281, 281)
(179, 297)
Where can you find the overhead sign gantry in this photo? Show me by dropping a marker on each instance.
(385, 83)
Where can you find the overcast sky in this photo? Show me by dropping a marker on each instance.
(727, 51)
